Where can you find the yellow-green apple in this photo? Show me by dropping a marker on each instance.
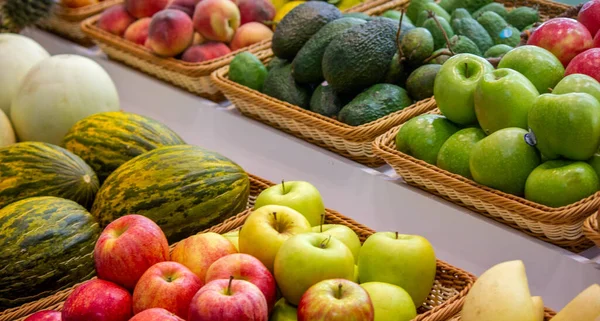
(145, 8)
(256, 10)
(587, 63)
(306, 259)
(355, 278)
(423, 136)
(127, 247)
(585, 306)
(156, 314)
(167, 285)
(198, 252)
(115, 20)
(46, 315)
(249, 34)
(342, 233)
(539, 65)
(97, 300)
(170, 32)
(455, 84)
(267, 228)
(233, 237)
(186, 6)
(283, 311)
(137, 32)
(229, 300)
(563, 37)
(504, 160)
(589, 16)
(578, 83)
(217, 19)
(204, 52)
(561, 182)
(391, 302)
(301, 196)
(502, 99)
(245, 267)
(385, 253)
(566, 125)
(335, 300)
(455, 152)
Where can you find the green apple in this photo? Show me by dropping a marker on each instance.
(407, 261)
(504, 160)
(391, 302)
(267, 228)
(423, 136)
(306, 259)
(342, 233)
(502, 99)
(283, 311)
(301, 196)
(539, 65)
(566, 125)
(578, 83)
(454, 154)
(233, 237)
(455, 84)
(356, 279)
(594, 161)
(561, 182)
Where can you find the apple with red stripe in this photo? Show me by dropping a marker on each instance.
(47, 315)
(335, 300)
(98, 300)
(156, 314)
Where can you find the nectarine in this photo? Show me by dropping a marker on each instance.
(249, 34)
(205, 52)
(217, 19)
(138, 31)
(170, 33)
(115, 20)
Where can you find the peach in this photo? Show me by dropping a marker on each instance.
(138, 31)
(256, 10)
(115, 20)
(217, 19)
(249, 34)
(145, 8)
(205, 52)
(186, 6)
(170, 33)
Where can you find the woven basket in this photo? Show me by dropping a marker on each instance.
(561, 226)
(591, 228)
(548, 314)
(193, 77)
(66, 22)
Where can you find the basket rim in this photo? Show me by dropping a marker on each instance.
(591, 228)
(78, 14)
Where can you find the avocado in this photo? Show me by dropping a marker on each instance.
(499, 29)
(280, 84)
(460, 13)
(440, 59)
(296, 27)
(415, 7)
(420, 82)
(438, 36)
(471, 29)
(357, 15)
(434, 8)
(522, 17)
(247, 70)
(395, 15)
(397, 73)
(360, 56)
(469, 5)
(375, 102)
(494, 7)
(325, 101)
(417, 45)
(307, 64)
(462, 44)
(276, 62)
(497, 51)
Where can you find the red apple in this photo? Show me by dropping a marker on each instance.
(115, 20)
(217, 19)
(256, 10)
(97, 300)
(587, 63)
(198, 252)
(137, 32)
(249, 34)
(155, 314)
(46, 315)
(589, 16)
(229, 300)
(597, 40)
(206, 51)
(245, 267)
(563, 37)
(335, 300)
(145, 8)
(127, 248)
(167, 285)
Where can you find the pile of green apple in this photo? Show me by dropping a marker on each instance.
(523, 128)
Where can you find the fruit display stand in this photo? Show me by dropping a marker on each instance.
(591, 228)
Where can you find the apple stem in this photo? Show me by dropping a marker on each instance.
(396, 235)
(322, 221)
(400, 53)
(339, 291)
(283, 185)
(325, 242)
(229, 285)
(466, 70)
(437, 22)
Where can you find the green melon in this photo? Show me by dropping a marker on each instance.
(31, 169)
(107, 140)
(184, 189)
(46, 245)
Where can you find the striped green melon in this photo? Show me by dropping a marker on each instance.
(184, 189)
(46, 245)
(40, 169)
(107, 140)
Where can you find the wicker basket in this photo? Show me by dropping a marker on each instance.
(66, 22)
(561, 226)
(591, 228)
(193, 77)
(548, 314)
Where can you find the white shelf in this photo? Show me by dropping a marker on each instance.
(375, 198)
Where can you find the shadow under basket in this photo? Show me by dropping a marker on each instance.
(591, 228)
(562, 226)
(193, 77)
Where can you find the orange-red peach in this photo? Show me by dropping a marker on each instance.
(170, 33)
(249, 34)
(138, 31)
(115, 20)
(205, 52)
(145, 8)
(217, 19)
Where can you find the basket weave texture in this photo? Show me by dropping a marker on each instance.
(591, 228)
(445, 299)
